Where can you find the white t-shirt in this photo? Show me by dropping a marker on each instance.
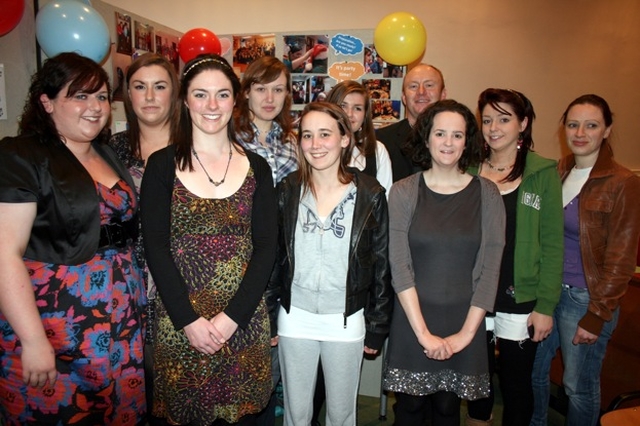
(573, 184)
(301, 324)
(384, 173)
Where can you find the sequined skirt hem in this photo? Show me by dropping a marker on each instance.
(468, 387)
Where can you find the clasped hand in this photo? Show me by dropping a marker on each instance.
(439, 348)
(436, 347)
(209, 336)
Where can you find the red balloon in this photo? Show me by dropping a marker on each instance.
(11, 14)
(196, 42)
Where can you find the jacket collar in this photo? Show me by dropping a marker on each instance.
(604, 166)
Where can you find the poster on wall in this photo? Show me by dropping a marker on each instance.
(320, 86)
(385, 110)
(372, 61)
(306, 53)
(123, 32)
(300, 85)
(248, 48)
(143, 36)
(120, 63)
(319, 61)
(378, 88)
(167, 47)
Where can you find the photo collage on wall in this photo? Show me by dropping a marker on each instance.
(135, 38)
(319, 61)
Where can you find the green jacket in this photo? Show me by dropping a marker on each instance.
(539, 235)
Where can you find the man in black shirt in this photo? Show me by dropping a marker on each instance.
(422, 86)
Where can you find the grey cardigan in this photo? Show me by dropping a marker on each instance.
(403, 198)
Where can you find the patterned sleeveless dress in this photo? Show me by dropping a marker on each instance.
(93, 317)
(211, 245)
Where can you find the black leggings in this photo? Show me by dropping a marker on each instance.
(248, 420)
(411, 410)
(515, 368)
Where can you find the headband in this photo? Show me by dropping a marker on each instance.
(202, 61)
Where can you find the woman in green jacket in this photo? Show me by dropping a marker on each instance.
(531, 270)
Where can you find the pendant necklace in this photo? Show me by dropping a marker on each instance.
(205, 170)
(492, 167)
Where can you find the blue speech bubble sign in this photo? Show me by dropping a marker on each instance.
(345, 44)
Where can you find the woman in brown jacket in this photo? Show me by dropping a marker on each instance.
(602, 226)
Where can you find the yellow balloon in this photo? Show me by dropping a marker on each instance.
(400, 38)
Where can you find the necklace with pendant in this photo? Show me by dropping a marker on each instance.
(195, 154)
(499, 169)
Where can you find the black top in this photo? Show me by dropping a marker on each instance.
(371, 166)
(505, 299)
(155, 208)
(394, 137)
(66, 230)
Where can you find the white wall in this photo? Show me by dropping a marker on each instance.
(553, 51)
(18, 53)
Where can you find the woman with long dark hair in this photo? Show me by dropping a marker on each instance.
(209, 223)
(531, 263)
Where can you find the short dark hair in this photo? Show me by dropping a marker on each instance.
(416, 146)
(80, 73)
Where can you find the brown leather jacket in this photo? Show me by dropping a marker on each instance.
(609, 232)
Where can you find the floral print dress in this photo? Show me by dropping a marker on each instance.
(93, 317)
(211, 242)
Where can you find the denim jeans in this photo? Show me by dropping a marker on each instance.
(582, 363)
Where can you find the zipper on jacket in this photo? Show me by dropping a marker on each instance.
(351, 257)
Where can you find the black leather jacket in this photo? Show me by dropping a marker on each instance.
(66, 229)
(368, 277)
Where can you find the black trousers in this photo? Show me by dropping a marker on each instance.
(411, 410)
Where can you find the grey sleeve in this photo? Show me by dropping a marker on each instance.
(402, 202)
(486, 271)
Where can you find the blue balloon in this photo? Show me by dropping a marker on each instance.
(72, 26)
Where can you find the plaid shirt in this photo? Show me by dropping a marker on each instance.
(282, 157)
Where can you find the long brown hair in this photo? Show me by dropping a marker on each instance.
(365, 137)
(147, 60)
(344, 126)
(262, 71)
